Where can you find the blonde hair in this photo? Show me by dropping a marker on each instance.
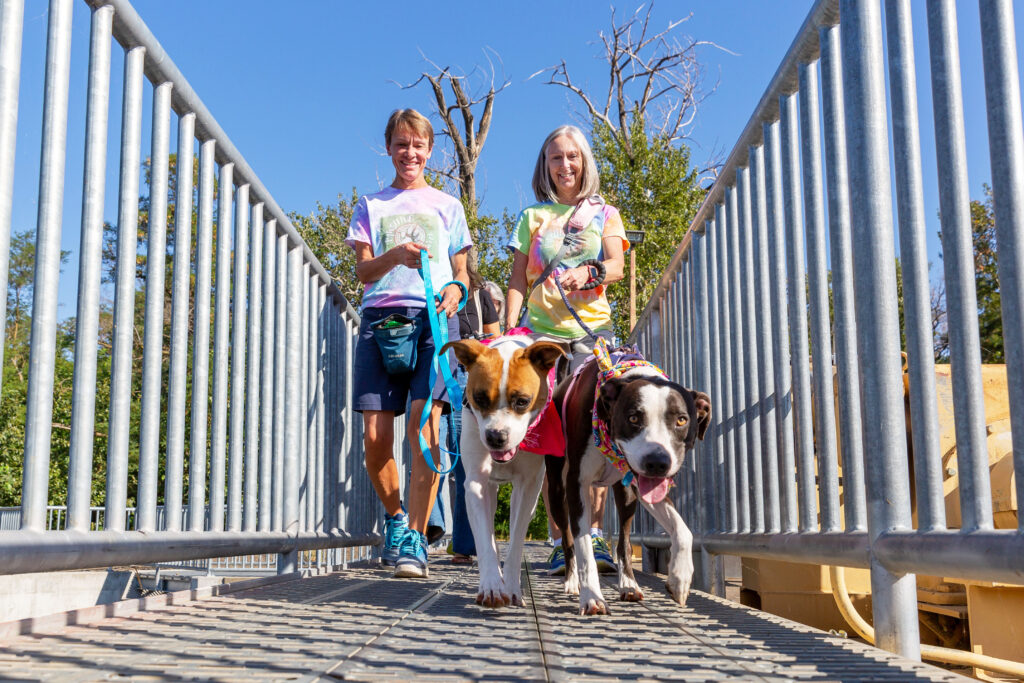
(494, 291)
(590, 181)
(411, 119)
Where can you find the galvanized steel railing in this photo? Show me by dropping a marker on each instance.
(732, 317)
(282, 453)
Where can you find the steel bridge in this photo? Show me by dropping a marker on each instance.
(254, 420)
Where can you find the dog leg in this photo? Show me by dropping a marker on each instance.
(680, 566)
(555, 471)
(591, 599)
(480, 501)
(525, 492)
(625, 501)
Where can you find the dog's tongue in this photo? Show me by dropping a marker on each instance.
(502, 456)
(652, 490)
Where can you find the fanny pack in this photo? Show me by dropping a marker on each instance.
(397, 336)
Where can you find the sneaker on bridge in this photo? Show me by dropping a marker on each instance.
(603, 555)
(412, 556)
(394, 530)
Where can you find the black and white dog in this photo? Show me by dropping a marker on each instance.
(649, 424)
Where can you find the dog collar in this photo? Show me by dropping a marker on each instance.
(609, 366)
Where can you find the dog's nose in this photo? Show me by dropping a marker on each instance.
(656, 464)
(496, 438)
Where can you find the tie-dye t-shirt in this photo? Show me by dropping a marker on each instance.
(392, 217)
(538, 234)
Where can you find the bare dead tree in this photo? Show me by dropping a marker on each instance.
(461, 126)
(653, 75)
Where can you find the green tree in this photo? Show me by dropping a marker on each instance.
(324, 230)
(986, 282)
(653, 184)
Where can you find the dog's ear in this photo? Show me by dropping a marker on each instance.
(703, 403)
(606, 398)
(466, 350)
(544, 354)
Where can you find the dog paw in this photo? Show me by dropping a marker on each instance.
(516, 600)
(631, 594)
(572, 585)
(678, 589)
(493, 599)
(593, 607)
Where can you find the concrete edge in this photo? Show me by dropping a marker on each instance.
(53, 623)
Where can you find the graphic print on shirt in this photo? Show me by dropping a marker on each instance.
(423, 228)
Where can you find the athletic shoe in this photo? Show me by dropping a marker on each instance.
(394, 529)
(434, 534)
(603, 555)
(556, 561)
(412, 556)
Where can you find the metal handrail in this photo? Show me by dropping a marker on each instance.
(282, 451)
(736, 315)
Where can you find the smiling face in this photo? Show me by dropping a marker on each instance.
(654, 422)
(506, 388)
(409, 152)
(565, 167)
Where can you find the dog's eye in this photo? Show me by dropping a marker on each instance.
(681, 421)
(634, 419)
(520, 403)
(481, 400)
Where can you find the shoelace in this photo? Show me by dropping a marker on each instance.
(411, 543)
(394, 531)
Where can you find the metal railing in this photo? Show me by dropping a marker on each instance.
(732, 317)
(274, 443)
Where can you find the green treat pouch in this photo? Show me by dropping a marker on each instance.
(397, 336)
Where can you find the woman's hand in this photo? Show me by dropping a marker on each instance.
(450, 297)
(407, 254)
(574, 278)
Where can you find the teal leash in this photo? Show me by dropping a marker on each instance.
(439, 332)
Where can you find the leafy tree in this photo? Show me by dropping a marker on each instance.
(654, 186)
(324, 230)
(986, 279)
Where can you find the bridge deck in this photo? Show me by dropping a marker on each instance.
(363, 625)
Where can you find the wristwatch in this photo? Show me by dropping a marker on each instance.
(592, 271)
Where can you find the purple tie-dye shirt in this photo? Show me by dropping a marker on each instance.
(391, 217)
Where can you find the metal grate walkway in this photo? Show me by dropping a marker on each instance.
(363, 625)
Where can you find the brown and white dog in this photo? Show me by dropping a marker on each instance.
(506, 389)
(654, 422)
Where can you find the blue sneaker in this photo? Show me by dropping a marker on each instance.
(556, 561)
(603, 555)
(412, 556)
(394, 529)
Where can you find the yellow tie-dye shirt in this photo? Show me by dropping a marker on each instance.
(538, 235)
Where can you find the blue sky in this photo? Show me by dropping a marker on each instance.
(304, 88)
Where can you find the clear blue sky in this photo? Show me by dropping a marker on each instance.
(304, 88)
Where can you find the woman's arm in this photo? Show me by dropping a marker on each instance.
(516, 290)
(369, 268)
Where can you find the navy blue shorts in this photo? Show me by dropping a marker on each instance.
(373, 388)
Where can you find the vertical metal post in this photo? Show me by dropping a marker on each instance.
(12, 14)
(179, 323)
(894, 598)
(266, 475)
(83, 395)
(124, 291)
(221, 322)
(958, 264)
(762, 336)
(739, 389)
(725, 361)
(304, 490)
(845, 328)
(817, 282)
(1006, 151)
(287, 562)
(798, 310)
(153, 348)
(752, 396)
(776, 274)
(236, 439)
(321, 426)
(281, 325)
(252, 372)
(42, 351)
(310, 341)
(201, 340)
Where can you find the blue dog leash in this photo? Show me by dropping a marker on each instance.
(439, 332)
